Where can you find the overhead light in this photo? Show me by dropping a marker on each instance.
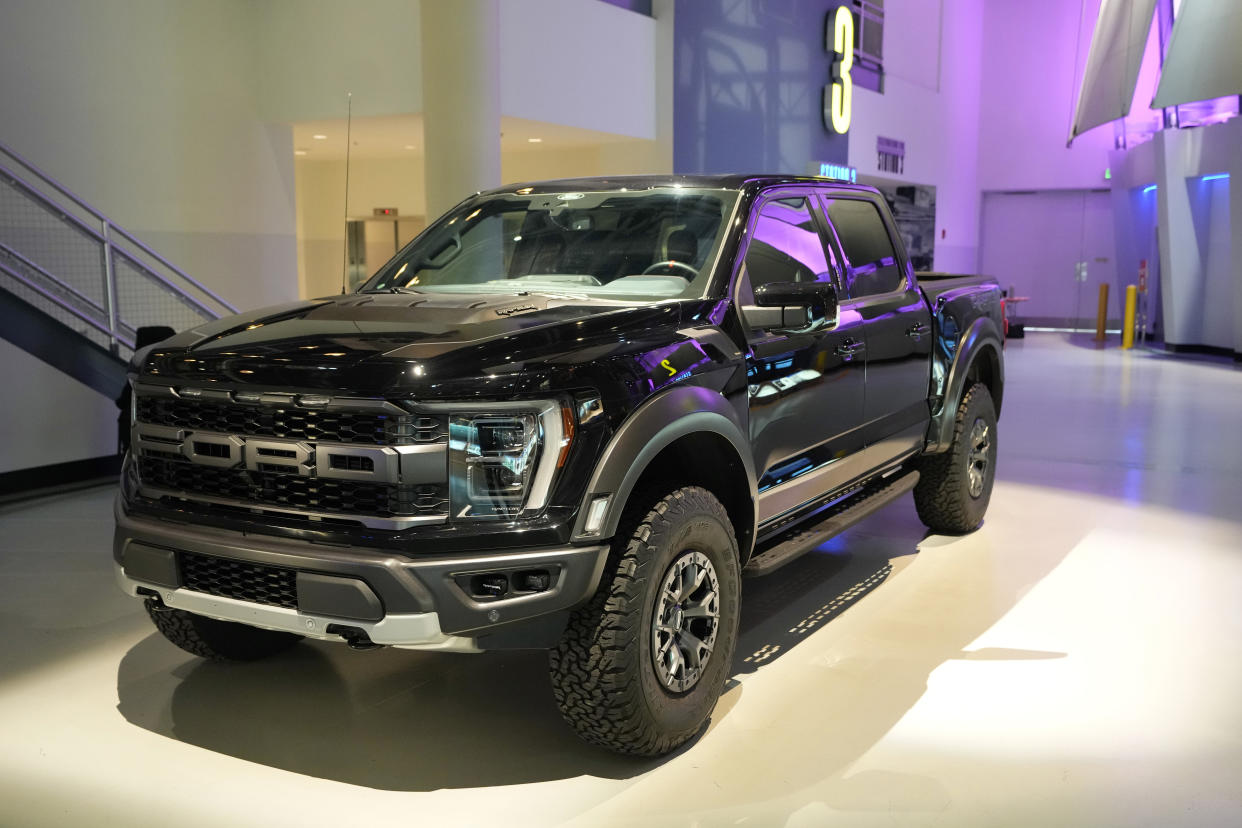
(299, 152)
(318, 137)
(410, 146)
(535, 140)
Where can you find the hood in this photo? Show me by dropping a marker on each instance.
(360, 341)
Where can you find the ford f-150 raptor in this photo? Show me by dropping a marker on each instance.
(569, 415)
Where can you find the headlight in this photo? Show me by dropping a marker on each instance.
(503, 458)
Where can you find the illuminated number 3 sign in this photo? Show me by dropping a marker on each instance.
(839, 95)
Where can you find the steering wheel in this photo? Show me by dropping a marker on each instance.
(673, 264)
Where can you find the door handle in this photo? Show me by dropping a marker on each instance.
(850, 348)
(919, 331)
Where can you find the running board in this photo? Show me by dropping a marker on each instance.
(832, 523)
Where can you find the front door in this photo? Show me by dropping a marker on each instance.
(805, 389)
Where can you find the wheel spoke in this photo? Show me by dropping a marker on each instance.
(701, 609)
(695, 648)
(676, 661)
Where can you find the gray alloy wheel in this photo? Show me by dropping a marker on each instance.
(685, 621)
(980, 449)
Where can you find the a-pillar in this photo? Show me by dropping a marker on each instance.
(461, 99)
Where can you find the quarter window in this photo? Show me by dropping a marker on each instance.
(871, 265)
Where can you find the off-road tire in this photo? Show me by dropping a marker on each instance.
(943, 496)
(603, 674)
(218, 640)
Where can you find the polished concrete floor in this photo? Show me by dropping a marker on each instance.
(1073, 662)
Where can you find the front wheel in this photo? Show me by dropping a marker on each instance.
(954, 487)
(640, 667)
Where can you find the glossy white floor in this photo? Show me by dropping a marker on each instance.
(1074, 662)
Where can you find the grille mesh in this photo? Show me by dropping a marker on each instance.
(270, 585)
(292, 491)
(292, 423)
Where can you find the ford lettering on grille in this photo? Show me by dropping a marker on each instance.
(423, 463)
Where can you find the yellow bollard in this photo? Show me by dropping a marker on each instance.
(1127, 327)
(1101, 316)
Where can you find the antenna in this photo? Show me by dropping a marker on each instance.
(349, 122)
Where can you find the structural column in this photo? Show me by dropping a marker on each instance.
(461, 99)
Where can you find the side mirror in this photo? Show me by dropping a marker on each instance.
(816, 300)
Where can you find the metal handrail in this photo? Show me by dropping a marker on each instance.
(103, 329)
(76, 199)
(75, 214)
(130, 238)
(182, 295)
(10, 252)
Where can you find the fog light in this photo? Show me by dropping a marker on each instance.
(537, 580)
(492, 586)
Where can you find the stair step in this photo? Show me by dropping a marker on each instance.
(832, 523)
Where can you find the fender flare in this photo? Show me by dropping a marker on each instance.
(652, 427)
(981, 336)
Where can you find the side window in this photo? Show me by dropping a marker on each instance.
(786, 247)
(871, 265)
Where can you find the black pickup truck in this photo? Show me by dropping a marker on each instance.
(569, 415)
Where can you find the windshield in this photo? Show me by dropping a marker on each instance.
(649, 244)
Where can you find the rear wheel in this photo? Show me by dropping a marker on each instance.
(954, 487)
(640, 667)
(218, 640)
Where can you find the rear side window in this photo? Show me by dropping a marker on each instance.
(786, 247)
(871, 261)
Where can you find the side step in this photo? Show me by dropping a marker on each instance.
(832, 522)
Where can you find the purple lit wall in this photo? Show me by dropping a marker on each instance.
(1033, 58)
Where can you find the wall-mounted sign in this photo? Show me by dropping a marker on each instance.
(839, 95)
(838, 172)
(384, 211)
(890, 154)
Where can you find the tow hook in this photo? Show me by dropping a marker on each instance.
(153, 600)
(356, 638)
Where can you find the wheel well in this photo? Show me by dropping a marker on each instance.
(708, 460)
(985, 368)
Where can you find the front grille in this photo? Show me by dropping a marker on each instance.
(264, 488)
(270, 585)
(372, 428)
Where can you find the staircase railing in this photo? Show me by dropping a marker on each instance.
(69, 260)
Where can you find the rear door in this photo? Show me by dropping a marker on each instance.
(881, 290)
(805, 389)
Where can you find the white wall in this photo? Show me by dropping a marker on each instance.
(310, 53)
(59, 419)
(584, 64)
(148, 110)
(931, 102)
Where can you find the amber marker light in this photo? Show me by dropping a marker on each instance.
(567, 438)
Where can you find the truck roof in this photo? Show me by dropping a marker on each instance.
(731, 181)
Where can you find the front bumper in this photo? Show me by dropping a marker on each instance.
(335, 592)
